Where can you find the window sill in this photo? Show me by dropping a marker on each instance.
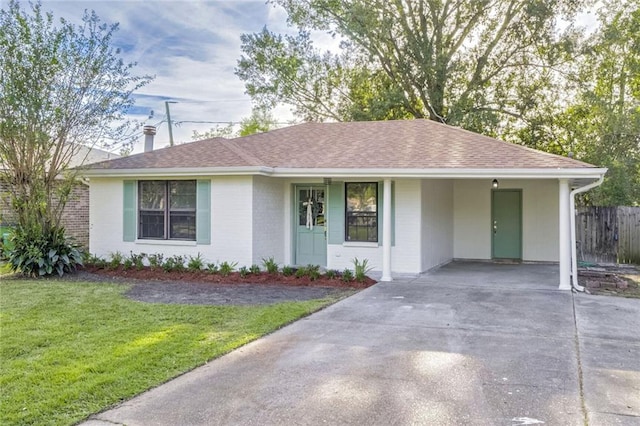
(359, 244)
(167, 243)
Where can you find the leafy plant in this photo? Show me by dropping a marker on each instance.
(227, 268)
(244, 271)
(127, 264)
(347, 275)
(301, 272)
(35, 253)
(212, 268)
(254, 269)
(116, 260)
(331, 273)
(313, 272)
(270, 265)
(137, 260)
(156, 260)
(195, 263)
(288, 271)
(95, 260)
(174, 264)
(361, 269)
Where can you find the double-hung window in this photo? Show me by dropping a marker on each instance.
(167, 209)
(361, 208)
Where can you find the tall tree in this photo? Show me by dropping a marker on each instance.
(61, 86)
(448, 60)
(603, 126)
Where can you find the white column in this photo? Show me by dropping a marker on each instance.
(565, 236)
(386, 232)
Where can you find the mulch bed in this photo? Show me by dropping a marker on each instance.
(149, 274)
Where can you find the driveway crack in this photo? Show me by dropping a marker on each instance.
(576, 341)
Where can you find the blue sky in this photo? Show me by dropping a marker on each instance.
(191, 47)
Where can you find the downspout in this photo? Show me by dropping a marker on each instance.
(572, 214)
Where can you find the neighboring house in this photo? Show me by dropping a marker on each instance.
(75, 216)
(406, 195)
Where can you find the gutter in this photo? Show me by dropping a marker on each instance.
(572, 214)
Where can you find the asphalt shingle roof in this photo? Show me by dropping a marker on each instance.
(406, 144)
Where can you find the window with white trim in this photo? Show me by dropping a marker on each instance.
(167, 209)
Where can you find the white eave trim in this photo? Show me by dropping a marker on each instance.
(449, 173)
(444, 173)
(186, 171)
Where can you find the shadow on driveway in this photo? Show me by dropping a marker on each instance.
(470, 343)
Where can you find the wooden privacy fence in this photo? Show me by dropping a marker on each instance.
(608, 234)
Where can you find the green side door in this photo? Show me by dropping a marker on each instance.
(310, 225)
(506, 224)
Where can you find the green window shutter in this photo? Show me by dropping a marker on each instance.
(129, 210)
(381, 212)
(203, 212)
(335, 213)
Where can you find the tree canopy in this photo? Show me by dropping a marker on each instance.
(520, 70)
(61, 86)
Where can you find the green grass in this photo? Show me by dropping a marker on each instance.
(70, 349)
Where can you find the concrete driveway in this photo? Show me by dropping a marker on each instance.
(471, 343)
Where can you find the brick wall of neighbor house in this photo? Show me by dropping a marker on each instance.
(75, 217)
(6, 213)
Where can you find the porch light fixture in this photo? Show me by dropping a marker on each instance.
(494, 184)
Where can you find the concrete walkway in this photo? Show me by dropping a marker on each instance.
(475, 344)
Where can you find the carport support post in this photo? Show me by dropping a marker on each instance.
(386, 231)
(565, 236)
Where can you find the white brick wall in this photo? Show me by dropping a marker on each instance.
(231, 223)
(437, 223)
(268, 219)
(472, 218)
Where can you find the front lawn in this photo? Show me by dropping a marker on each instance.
(70, 349)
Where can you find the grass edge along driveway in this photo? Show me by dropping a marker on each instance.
(69, 349)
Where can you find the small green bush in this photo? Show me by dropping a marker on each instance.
(361, 269)
(244, 271)
(270, 265)
(156, 260)
(212, 268)
(137, 260)
(288, 271)
(331, 273)
(195, 263)
(116, 260)
(347, 275)
(254, 269)
(227, 268)
(174, 264)
(301, 272)
(96, 261)
(313, 272)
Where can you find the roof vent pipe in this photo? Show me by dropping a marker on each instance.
(149, 133)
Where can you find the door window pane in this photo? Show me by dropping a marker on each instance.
(311, 207)
(361, 211)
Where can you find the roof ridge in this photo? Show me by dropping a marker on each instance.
(242, 153)
(513, 144)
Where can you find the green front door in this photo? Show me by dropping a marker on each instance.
(310, 226)
(506, 223)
